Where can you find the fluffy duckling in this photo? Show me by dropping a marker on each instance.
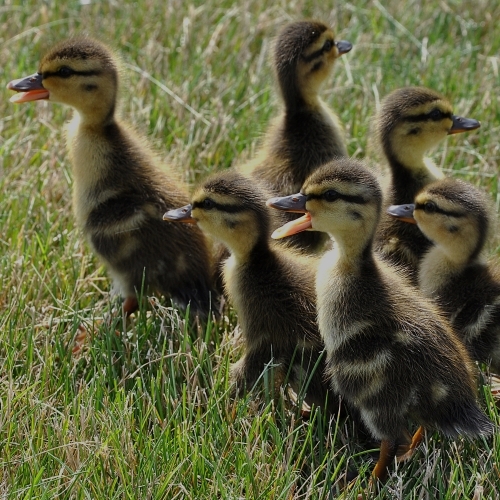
(410, 122)
(120, 192)
(307, 133)
(458, 218)
(390, 353)
(271, 289)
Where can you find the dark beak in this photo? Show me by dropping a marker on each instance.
(32, 82)
(461, 124)
(28, 89)
(403, 212)
(293, 203)
(343, 46)
(182, 214)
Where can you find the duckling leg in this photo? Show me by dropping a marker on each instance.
(130, 305)
(387, 453)
(415, 442)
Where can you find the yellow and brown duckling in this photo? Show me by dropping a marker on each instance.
(272, 289)
(307, 133)
(120, 192)
(391, 354)
(411, 121)
(458, 218)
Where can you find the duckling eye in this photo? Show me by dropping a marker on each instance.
(430, 207)
(330, 195)
(64, 72)
(208, 204)
(436, 114)
(328, 46)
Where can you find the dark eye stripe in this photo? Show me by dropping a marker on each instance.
(47, 74)
(312, 56)
(438, 210)
(346, 197)
(223, 207)
(426, 117)
(318, 52)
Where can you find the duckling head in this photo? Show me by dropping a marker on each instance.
(413, 120)
(229, 208)
(341, 198)
(304, 54)
(79, 72)
(454, 215)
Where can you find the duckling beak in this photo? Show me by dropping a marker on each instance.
(403, 212)
(294, 203)
(30, 88)
(461, 124)
(182, 214)
(343, 46)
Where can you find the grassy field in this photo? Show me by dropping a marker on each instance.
(145, 413)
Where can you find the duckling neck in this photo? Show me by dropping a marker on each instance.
(96, 118)
(297, 101)
(299, 140)
(408, 177)
(350, 256)
(245, 251)
(95, 151)
(438, 267)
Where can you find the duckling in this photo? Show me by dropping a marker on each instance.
(119, 191)
(390, 352)
(307, 133)
(272, 289)
(410, 122)
(458, 218)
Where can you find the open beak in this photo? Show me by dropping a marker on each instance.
(29, 88)
(343, 46)
(182, 214)
(461, 124)
(403, 212)
(295, 203)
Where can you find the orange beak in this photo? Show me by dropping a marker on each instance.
(293, 227)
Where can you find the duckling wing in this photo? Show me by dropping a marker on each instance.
(128, 232)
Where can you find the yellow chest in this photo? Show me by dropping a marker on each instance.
(89, 155)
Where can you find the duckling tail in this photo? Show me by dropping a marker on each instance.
(467, 420)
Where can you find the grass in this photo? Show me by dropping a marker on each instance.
(145, 413)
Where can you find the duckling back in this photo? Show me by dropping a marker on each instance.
(394, 356)
(471, 301)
